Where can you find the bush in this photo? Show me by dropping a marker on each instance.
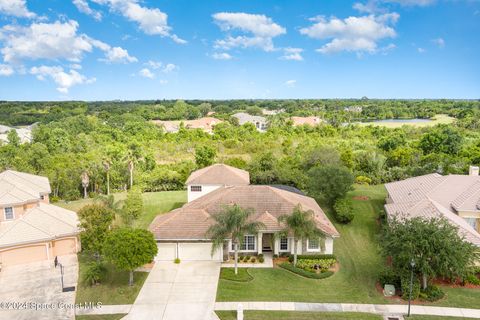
(275, 256)
(343, 211)
(389, 276)
(177, 260)
(260, 256)
(290, 267)
(405, 285)
(312, 265)
(472, 279)
(432, 293)
(253, 260)
(247, 258)
(54, 199)
(313, 256)
(94, 273)
(363, 180)
(261, 259)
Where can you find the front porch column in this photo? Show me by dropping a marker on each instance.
(259, 243)
(276, 245)
(328, 245)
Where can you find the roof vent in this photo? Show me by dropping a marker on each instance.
(473, 171)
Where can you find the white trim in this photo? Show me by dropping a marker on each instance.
(313, 250)
(280, 244)
(5, 213)
(255, 244)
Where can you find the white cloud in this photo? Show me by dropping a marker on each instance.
(151, 21)
(292, 54)
(169, 68)
(420, 3)
(290, 83)
(146, 73)
(82, 6)
(154, 64)
(421, 50)
(63, 79)
(75, 66)
(16, 8)
(439, 42)
(6, 70)
(221, 56)
(260, 29)
(54, 41)
(118, 55)
(357, 34)
(376, 6)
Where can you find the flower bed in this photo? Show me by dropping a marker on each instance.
(306, 274)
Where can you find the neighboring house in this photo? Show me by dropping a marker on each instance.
(267, 112)
(454, 197)
(25, 133)
(309, 121)
(208, 179)
(259, 122)
(181, 233)
(206, 124)
(31, 229)
(353, 109)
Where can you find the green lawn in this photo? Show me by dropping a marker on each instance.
(114, 289)
(101, 317)
(297, 315)
(360, 263)
(437, 119)
(242, 275)
(153, 204)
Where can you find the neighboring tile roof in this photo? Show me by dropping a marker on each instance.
(310, 121)
(19, 187)
(247, 118)
(42, 223)
(434, 195)
(206, 124)
(219, 174)
(268, 203)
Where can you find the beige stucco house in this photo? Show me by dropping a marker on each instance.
(454, 197)
(31, 229)
(181, 233)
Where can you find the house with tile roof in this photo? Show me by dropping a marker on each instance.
(309, 121)
(181, 233)
(31, 229)
(258, 121)
(453, 197)
(206, 124)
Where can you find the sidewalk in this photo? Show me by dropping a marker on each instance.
(382, 309)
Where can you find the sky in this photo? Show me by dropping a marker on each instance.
(238, 49)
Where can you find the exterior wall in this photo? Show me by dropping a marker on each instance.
(17, 212)
(63, 247)
(46, 198)
(21, 255)
(206, 188)
(188, 251)
(475, 215)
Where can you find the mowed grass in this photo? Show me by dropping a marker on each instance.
(113, 289)
(437, 119)
(297, 315)
(154, 203)
(357, 250)
(101, 317)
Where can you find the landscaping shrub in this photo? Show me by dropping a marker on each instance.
(94, 273)
(246, 259)
(363, 180)
(472, 279)
(275, 256)
(432, 293)
(312, 265)
(260, 256)
(343, 211)
(389, 276)
(253, 260)
(177, 261)
(261, 259)
(313, 256)
(306, 274)
(405, 285)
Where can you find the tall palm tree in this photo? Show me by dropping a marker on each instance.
(85, 182)
(233, 223)
(301, 224)
(106, 165)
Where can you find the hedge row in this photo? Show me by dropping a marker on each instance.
(306, 274)
(313, 256)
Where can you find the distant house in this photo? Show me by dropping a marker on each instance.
(181, 233)
(206, 124)
(353, 109)
(31, 229)
(309, 121)
(454, 197)
(267, 112)
(25, 133)
(259, 122)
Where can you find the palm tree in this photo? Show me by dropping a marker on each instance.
(106, 165)
(233, 223)
(301, 224)
(85, 182)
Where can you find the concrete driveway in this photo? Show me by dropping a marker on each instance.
(27, 286)
(184, 291)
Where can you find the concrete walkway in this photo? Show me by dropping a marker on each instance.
(184, 291)
(382, 309)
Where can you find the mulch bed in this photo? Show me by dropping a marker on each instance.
(361, 198)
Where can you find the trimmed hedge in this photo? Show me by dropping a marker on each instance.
(306, 274)
(312, 256)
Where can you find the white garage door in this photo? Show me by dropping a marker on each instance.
(187, 251)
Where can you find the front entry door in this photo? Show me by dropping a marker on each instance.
(267, 242)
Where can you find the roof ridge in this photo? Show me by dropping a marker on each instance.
(49, 214)
(280, 193)
(19, 175)
(467, 194)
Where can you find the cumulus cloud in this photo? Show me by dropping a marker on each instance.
(377, 6)
(151, 21)
(63, 79)
(292, 54)
(290, 83)
(54, 41)
(260, 30)
(6, 70)
(421, 50)
(354, 34)
(221, 56)
(154, 64)
(16, 8)
(84, 7)
(146, 73)
(169, 68)
(439, 42)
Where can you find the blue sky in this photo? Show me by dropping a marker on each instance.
(225, 49)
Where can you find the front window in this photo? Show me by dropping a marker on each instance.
(247, 245)
(313, 244)
(284, 244)
(8, 213)
(196, 188)
(472, 222)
